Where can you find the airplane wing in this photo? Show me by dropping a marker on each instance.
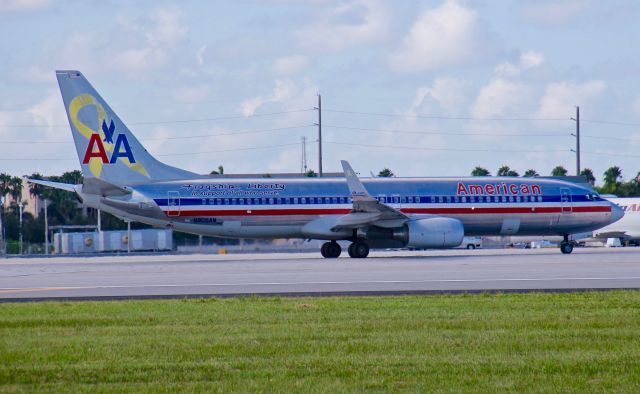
(610, 234)
(366, 209)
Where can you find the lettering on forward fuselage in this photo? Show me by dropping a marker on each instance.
(502, 188)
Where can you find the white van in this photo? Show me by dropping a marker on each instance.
(470, 243)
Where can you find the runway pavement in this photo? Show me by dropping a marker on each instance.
(392, 272)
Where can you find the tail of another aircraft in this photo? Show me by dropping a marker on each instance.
(106, 147)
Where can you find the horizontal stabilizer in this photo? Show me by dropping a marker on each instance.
(56, 185)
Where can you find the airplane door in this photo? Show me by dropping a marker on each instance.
(173, 203)
(566, 201)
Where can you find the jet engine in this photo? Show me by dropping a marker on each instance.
(435, 232)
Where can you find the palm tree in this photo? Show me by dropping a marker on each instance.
(386, 173)
(506, 171)
(588, 176)
(219, 171)
(559, 171)
(531, 173)
(5, 182)
(15, 189)
(480, 171)
(612, 175)
(35, 190)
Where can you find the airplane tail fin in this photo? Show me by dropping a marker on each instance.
(107, 149)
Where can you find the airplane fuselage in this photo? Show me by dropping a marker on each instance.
(269, 207)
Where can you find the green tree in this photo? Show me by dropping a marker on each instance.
(386, 173)
(36, 190)
(5, 184)
(219, 171)
(15, 188)
(480, 171)
(612, 175)
(310, 174)
(611, 179)
(559, 171)
(506, 171)
(531, 173)
(587, 173)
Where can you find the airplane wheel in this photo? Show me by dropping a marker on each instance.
(330, 250)
(323, 249)
(471, 246)
(566, 247)
(358, 250)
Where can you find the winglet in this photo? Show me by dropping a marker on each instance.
(356, 188)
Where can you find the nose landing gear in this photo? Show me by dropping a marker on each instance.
(566, 247)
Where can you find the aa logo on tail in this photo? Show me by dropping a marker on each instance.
(101, 149)
(95, 148)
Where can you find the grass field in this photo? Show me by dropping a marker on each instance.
(577, 342)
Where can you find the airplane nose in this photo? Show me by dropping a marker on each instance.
(616, 212)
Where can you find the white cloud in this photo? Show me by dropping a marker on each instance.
(289, 65)
(560, 98)
(445, 36)
(636, 106)
(167, 28)
(500, 96)
(553, 12)
(347, 25)
(283, 90)
(448, 95)
(528, 60)
(192, 94)
(200, 54)
(23, 5)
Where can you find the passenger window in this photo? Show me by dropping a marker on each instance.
(327, 200)
(303, 200)
(226, 201)
(432, 198)
(271, 200)
(510, 198)
(456, 199)
(539, 198)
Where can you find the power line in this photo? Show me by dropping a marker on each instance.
(477, 134)
(441, 116)
(230, 132)
(609, 122)
(174, 121)
(161, 155)
(447, 149)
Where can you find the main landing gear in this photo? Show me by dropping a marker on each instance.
(566, 247)
(332, 250)
(358, 250)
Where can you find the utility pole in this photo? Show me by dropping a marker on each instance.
(577, 135)
(319, 124)
(303, 167)
(2, 250)
(21, 206)
(46, 228)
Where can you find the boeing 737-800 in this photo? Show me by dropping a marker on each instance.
(122, 178)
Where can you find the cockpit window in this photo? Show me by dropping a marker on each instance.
(593, 197)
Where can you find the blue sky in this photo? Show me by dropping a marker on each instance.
(405, 85)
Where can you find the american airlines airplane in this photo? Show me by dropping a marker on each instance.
(122, 178)
(628, 228)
